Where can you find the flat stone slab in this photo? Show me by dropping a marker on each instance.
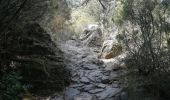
(76, 85)
(70, 93)
(88, 87)
(90, 67)
(100, 85)
(105, 79)
(109, 92)
(84, 96)
(96, 91)
(84, 80)
(95, 76)
(75, 79)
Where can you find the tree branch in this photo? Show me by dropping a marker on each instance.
(86, 1)
(102, 4)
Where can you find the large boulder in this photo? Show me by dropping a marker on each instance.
(92, 36)
(110, 49)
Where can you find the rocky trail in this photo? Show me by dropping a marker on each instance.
(91, 78)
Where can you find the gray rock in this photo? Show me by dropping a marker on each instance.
(90, 61)
(100, 85)
(88, 87)
(84, 80)
(81, 73)
(84, 56)
(92, 78)
(70, 93)
(84, 96)
(87, 73)
(106, 81)
(90, 67)
(109, 92)
(105, 78)
(75, 79)
(76, 85)
(96, 91)
(95, 76)
(106, 73)
(97, 62)
(74, 74)
(115, 85)
(116, 81)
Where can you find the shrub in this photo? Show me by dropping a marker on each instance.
(145, 38)
(11, 87)
(81, 19)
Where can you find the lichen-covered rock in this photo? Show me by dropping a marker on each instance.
(110, 50)
(92, 36)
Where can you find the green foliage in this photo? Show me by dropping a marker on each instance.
(81, 19)
(151, 87)
(57, 13)
(119, 13)
(94, 9)
(145, 36)
(82, 16)
(151, 32)
(11, 87)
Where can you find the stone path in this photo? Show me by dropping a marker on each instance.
(91, 78)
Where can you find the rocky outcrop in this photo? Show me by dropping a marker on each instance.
(92, 36)
(41, 63)
(110, 50)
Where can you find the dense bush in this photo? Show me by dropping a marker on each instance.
(11, 86)
(92, 12)
(146, 36)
